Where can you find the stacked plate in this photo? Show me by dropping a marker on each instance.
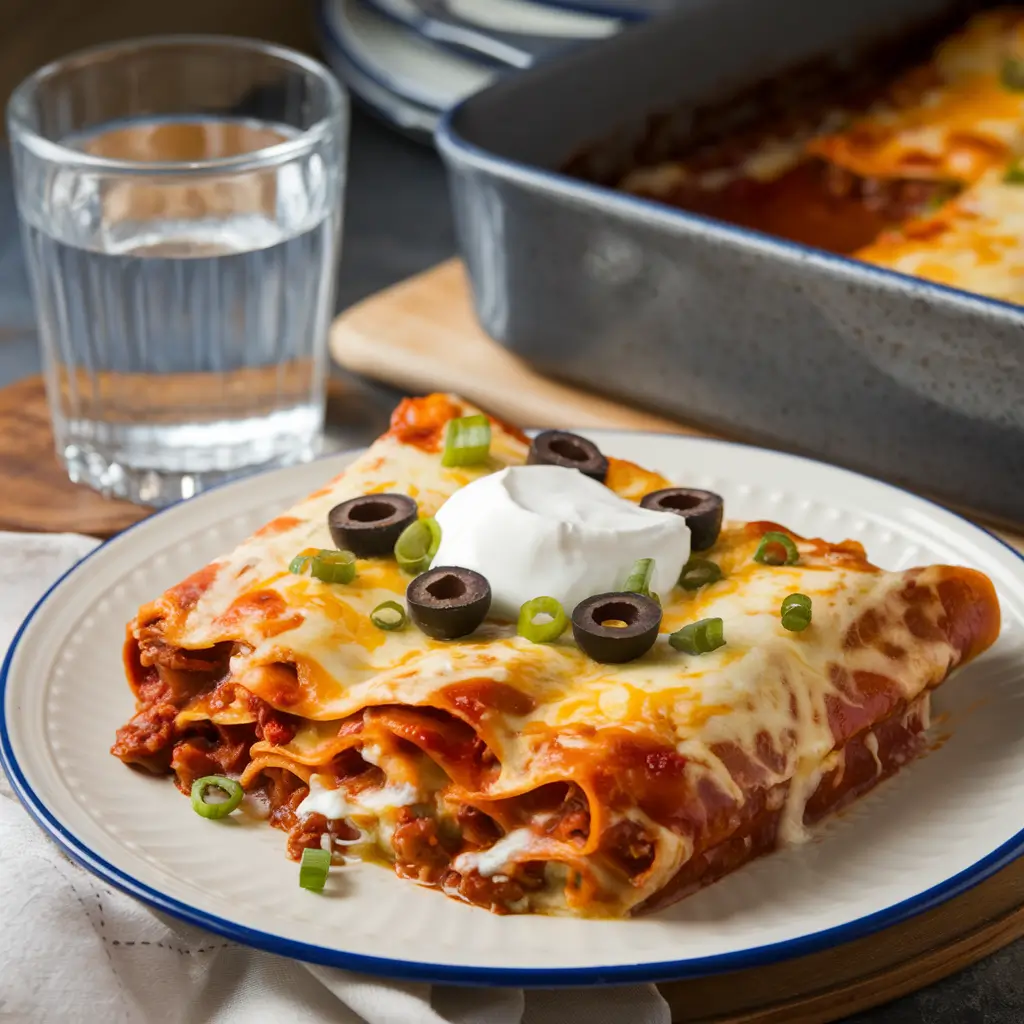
(410, 60)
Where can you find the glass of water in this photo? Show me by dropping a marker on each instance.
(181, 203)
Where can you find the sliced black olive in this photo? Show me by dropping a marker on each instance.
(702, 511)
(613, 628)
(448, 602)
(570, 451)
(369, 525)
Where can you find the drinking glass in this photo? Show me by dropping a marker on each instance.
(180, 201)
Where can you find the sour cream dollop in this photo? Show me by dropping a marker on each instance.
(537, 531)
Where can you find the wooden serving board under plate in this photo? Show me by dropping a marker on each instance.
(421, 335)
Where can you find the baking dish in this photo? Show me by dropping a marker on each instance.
(720, 325)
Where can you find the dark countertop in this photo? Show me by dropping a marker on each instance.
(397, 223)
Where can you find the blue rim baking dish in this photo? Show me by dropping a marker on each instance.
(715, 324)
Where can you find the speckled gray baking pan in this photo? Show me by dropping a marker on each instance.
(915, 382)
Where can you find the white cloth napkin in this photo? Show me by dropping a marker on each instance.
(73, 949)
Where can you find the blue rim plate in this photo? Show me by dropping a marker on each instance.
(414, 120)
(943, 825)
(399, 61)
(517, 33)
(625, 10)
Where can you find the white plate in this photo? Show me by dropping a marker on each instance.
(400, 61)
(626, 10)
(515, 32)
(942, 825)
(531, 19)
(416, 120)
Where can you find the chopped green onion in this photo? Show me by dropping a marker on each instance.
(313, 869)
(327, 566)
(796, 613)
(699, 572)
(389, 615)
(299, 564)
(639, 579)
(232, 791)
(1014, 174)
(1012, 75)
(416, 547)
(334, 566)
(542, 632)
(796, 620)
(700, 637)
(776, 549)
(467, 441)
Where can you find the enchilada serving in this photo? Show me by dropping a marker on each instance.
(919, 173)
(536, 678)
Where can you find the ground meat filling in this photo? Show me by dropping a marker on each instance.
(420, 853)
(498, 893)
(629, 846)
(277, 727)
(146, 740)
(217, 750)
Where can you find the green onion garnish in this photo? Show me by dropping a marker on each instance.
(699, 572)
(334, 566)
(389, 616)
(1012, 74)
(542, 632)
(327, 566)
(700, 637)
(639, 579)
(1014, 174)
(232, 791)
(313, 869)
(776, 549)
(467, 441)
(416, 547)
(796, 613)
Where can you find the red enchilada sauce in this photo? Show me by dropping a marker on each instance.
(422, 421)
(813, 203)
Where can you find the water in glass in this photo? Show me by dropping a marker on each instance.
(185, 321)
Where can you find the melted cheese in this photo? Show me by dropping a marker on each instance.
(953, 119)
(371, 803)
(975, 242)
(492, 860)
(952, 124)
(871, 742)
